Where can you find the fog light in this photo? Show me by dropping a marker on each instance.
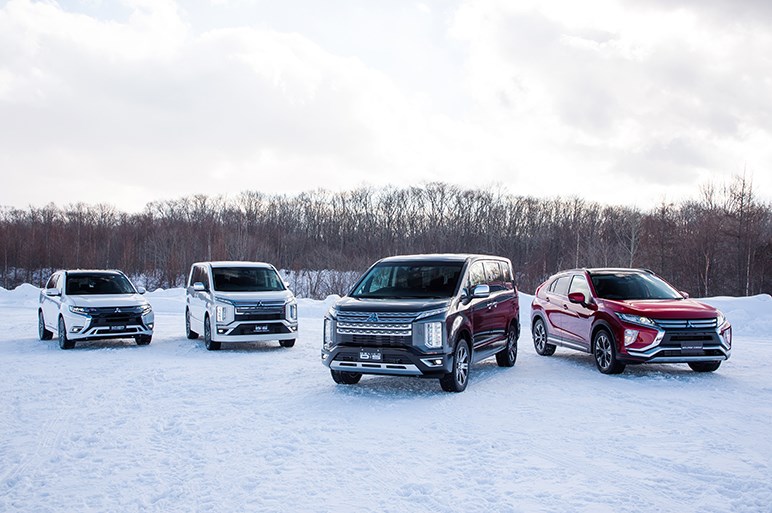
(150, 325)
(324, 356)
(76, 329)
(220, 331)
(630, 336)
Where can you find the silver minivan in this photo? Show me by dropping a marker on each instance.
(239, 302)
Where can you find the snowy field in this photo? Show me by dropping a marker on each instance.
(170, 427)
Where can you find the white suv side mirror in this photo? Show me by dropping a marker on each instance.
(199, 287)
(141, 290)
(52, 292)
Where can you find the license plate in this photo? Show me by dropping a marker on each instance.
(117, 328)
(691, 347)
(370, 355)
(261, 329)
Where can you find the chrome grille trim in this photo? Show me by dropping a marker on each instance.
(261, 307)
(388, 317)
(397, 324)
(685, 324)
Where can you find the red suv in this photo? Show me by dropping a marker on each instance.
(627, 316)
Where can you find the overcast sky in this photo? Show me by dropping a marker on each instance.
(618, 101)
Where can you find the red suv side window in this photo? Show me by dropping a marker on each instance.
(560, 286)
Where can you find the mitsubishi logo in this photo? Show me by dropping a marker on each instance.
(373, 318)
(117, 310)
(689, 324)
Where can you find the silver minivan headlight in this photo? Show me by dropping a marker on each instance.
(291, 309)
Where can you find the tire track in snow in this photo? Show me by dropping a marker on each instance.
(50, 440)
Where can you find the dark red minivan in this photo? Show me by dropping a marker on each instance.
(627, 316)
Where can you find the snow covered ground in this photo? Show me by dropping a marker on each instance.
(110, 426)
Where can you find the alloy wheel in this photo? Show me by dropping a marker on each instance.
(539, 337)
(462, 365)
(603, 351)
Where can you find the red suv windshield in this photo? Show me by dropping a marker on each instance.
(629, 286)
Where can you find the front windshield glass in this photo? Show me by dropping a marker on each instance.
(83, 284)
(624, 286)
(410, 280)
(246, 279)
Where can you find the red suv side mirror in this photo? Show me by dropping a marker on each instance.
(580, 299)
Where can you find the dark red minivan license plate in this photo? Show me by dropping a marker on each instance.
(370, 355)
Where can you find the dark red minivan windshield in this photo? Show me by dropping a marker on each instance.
(630, 286)
(407, 280)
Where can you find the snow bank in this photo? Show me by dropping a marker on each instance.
(748, 315)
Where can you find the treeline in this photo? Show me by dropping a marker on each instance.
(719, 244)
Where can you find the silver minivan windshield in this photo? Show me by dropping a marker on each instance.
(246, 279)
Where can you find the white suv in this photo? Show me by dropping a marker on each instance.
(239, 302)
(91, 305)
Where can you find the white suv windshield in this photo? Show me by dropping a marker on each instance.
(82, 284)
(406, 280)
(246, 279)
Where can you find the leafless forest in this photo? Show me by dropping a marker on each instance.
(720, 244)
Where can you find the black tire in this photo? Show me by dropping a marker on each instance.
(345, 378)
(508, 356)
(540, 344)
(458, 378)
(143, 340)
(287, 343)
(604, 351)
(210, 344)
(64, 342)
(43, 332)
(704, 366)
(189, 332)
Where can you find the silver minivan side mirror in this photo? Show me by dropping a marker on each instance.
(52, 292)
(141, 290)
(199, 287)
